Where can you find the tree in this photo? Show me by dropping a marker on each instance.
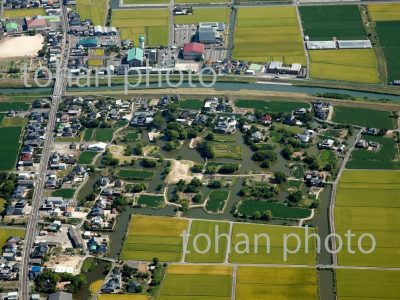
(295, 197)
(287, 152)
(228, 169)
(279, 177)
(155, 261)
(215, 184)
(197, 198)
(210, 136)
(197, 168)
(261, 155)
(149, 163)
(266, 215)
(206, 150)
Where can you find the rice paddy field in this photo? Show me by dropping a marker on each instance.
(386, 157)
(145, 1)
(363, 117)
(151, 23)
(322, 23)
(355, 65)
(271, 106)
(24, 12)
(134, 174)
(276, 237)
(367, 284)
(9, 147)
(86, 157)
(94, 10)
(224, 150)
(6, 233)
(153, 201)
(194, 104)
(123, 297)
(17, 105)
(150, 236)
(384, 11)
(216, 201)
(98, 134)
(249, 207)
(263, 283)
(204, 15)
(264, 34)
(201, 282)
(217, 251)
(391, 46)
(369, 202)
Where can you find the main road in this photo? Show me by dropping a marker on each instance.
(58, 92)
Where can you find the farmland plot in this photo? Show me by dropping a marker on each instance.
(363, 117)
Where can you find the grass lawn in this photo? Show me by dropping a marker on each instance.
(368, 202)
(278, 210)
(385, 158)
(271, 106)
(94, 10)
(204, 15)
(150, 236)
(217, 200)
(11, 122)
(25, 12)
(186, 282)
(264, 34)
(86, 157)
(363, 117)
(356, 65)
(132, 136)
(65, 193)
(151, 23)
(325, 157)
(367, 284)
(322, 23)
(216, 252)
(134, 174)
(192, 104)
(223, 150)
(276, 283)
(9, 147)
(391, 46)
(384, 11)
(153, 201)
(276, 236)
(6, 233)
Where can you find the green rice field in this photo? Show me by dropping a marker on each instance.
(224, 150)
(150, 236)
(98, 134)
(322, 23)
(249, 207)
(264, 34)
(193, 104)
(217, 252)
(204, 15)
(65, 193)
(9, 147)
(271, 106)
(217, 201)
(86, 157)
(6, 233)
(134, 174)
(153, 201)
(6, 106)
(94, 10)
(24, 12)
(363, 117)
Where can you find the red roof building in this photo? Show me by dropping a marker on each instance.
(193, 51)
(266, 119)
(36, 24)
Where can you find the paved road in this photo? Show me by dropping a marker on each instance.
(333, 198)
(59, 90)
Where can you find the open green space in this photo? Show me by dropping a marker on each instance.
(18, 105)
(6, 233)
(276, 283)
(391, 46)
(384, 11)
(192, 104)
(363, 117)
(216, 201)
(153, 201)
(326, 157)
(204, 15)
(217, 251)
(12, 122)
(224, 150)
(369, 202)
(65, 193)
(265, 34)
(24, 12)
(134, 174)
(386, 157)
(265, 245)
(86, 157)
(367, 284)
(98, 134)
(356, 65)
(150, 23)
(150, 236)
(201, 282)
(279, 210)
(9, 147)
(131, 136)
(322, 23)
(93, 10)
(271, 106)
